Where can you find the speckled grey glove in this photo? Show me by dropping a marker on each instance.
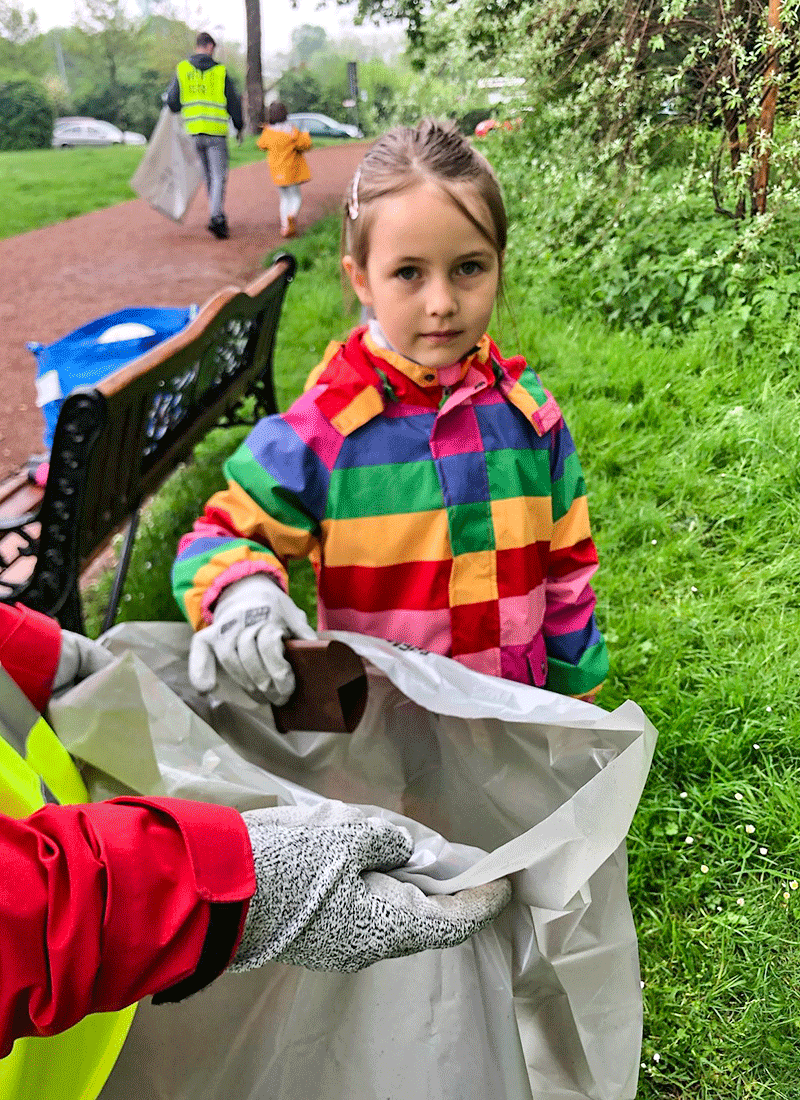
(321, 904)
(79, 658)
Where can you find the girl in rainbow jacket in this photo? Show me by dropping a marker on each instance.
(433, 483)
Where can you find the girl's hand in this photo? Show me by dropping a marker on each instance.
(251, 619)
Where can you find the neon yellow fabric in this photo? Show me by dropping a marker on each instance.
(47, 757)
(74, 1065)
(203, 99)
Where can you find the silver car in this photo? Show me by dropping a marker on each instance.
(323, 126)
(91, 131)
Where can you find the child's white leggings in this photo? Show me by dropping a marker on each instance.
(289, 202)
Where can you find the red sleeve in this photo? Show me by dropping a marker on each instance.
(30, 646)
(102, 904)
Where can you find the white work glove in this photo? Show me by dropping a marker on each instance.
(251, 619)
(80, 657)
(321, 902)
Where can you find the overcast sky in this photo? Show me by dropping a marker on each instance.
(225, 19)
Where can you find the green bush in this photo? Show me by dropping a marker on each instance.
(641, 246)
(26, 114)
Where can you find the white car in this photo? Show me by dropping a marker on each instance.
(92, 131)
(322, 126)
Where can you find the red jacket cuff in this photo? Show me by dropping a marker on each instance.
(30, 647)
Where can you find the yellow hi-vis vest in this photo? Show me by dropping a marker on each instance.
(203, 100)
(36, 768)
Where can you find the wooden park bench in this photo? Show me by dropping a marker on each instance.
(116, 443)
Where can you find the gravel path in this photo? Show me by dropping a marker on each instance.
(58, 278)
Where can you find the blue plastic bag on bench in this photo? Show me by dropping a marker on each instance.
(97, 349)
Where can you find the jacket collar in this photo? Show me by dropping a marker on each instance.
(358, 380)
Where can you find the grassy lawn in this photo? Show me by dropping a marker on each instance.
(45, 186)
(691, 460)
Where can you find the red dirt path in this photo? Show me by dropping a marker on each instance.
(58, 278)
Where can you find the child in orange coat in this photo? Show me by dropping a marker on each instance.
(284, 145)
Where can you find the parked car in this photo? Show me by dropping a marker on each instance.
(323, 126)
(92, 131)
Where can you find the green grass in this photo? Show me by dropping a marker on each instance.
(691, 460)
(45, 186)
(692, 467)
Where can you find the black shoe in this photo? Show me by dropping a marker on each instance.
(219, 227)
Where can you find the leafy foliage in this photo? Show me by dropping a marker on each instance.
(321, 84)
(26, 114)
(625, 73)
(640, 247)
(19, 29)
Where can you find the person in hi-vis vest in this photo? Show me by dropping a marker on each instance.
(204, 91)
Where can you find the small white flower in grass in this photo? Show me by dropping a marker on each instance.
(749, 828)
(689, 840)
(769, 710)
(656, 1057)
(740, 901)
(704, 868)
(785, 895)
(683, 794)
(738, 797)
(694, 588)
(756, 747)
(794, 884)
(653, 542)
(763, 851)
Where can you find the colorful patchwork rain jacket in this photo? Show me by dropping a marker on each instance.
(452, 518)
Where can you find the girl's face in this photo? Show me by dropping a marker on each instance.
(431, 277)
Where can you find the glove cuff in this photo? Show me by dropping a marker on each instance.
(255, 590)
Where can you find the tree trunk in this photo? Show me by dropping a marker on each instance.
(254, 87)
(769, 101)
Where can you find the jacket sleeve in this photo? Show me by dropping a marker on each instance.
(234, 103)
(30, 646)
(577, 658)
(270, 513)
(302, 142)
(102, 904)
(173, 96)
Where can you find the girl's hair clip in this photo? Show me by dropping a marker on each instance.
(352, 205)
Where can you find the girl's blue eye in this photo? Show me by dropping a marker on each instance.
(470, 267)
(407, 274)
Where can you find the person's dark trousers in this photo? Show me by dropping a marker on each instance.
(213, 152)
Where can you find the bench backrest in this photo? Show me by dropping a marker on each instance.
(116, 443)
